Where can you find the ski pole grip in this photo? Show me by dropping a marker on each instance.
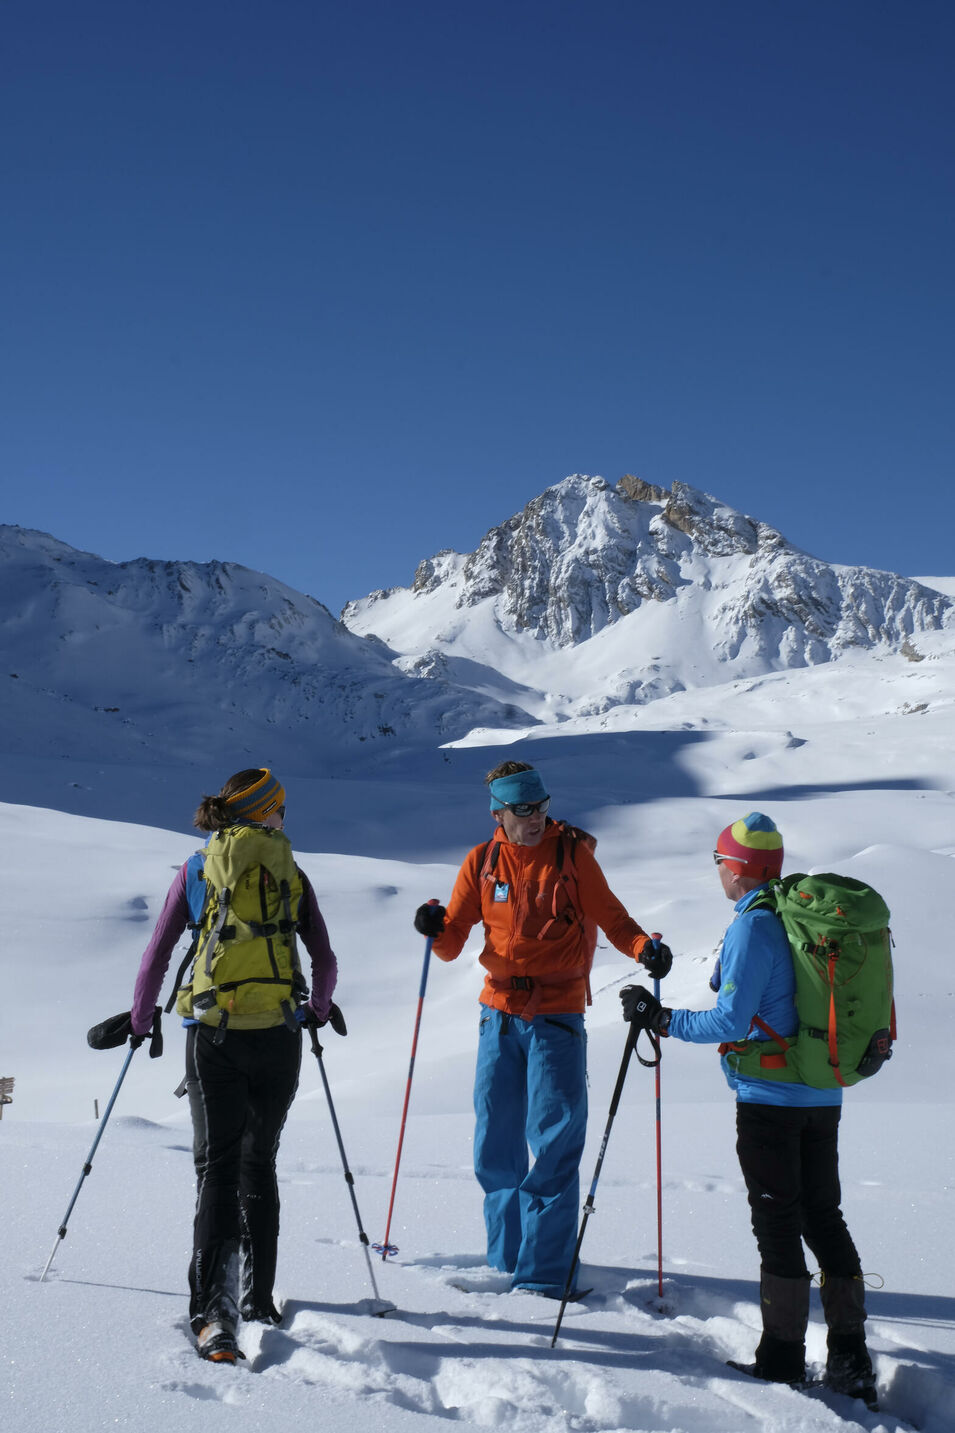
(656, 938)
(429, 942)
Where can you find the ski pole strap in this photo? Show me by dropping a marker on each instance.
(155, 1036)
(655, 938)
(655, 1046)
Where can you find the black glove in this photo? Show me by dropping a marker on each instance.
(429, 919)
(656, 959)
(644, 1010)
(110, 1033)
(119, 1028)
(335, 1018)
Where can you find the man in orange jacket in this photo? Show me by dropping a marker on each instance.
(540, 894)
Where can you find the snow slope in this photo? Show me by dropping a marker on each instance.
(857, 782)
(184, 663)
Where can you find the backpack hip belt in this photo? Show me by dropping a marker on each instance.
(535, 985)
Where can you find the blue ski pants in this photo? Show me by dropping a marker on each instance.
(530, 1092)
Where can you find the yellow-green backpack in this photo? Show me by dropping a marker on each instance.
(245, 967)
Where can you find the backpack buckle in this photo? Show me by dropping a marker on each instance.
(521, 982)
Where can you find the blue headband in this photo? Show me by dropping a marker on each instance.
(522, 786)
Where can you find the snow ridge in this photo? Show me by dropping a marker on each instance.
(114, 659)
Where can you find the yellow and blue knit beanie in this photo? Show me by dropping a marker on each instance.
(258, 800)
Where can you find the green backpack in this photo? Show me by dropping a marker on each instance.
(245, 966)
(838, 931)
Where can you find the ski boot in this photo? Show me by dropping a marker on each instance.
(216, 1342)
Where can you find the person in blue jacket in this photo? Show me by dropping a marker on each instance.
(787, 1133)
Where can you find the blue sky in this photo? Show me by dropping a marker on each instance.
(323, 288)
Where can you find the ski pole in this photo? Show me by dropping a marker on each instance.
(629, 1048)
(61, 1234)
(656, 992)
(349, 1177)
(384, 1248)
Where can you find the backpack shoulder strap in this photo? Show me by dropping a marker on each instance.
(489, 859)
(569, 839)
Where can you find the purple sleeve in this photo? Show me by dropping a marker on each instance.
(173, 919)
(314, 936)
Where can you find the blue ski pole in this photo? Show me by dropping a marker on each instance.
(87, 1167)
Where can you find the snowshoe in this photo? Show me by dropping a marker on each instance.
(757, 1370)
(261, 1314)
(849, 1367)
(851, 1374)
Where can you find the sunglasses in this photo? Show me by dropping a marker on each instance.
(528, 808)
(719, 858)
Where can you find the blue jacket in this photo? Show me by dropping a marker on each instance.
(756, 978)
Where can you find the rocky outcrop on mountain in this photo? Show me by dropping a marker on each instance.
(586, 555)
(182, 659)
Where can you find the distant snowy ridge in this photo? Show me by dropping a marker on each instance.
(150, 660)
(638, 592)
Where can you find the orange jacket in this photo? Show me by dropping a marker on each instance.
(536, 952)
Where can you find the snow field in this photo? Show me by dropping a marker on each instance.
(103, 1343)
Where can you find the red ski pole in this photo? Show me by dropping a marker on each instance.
(385, 1248)
(656, 991)
(655, 937)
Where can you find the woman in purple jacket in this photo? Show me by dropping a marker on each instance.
(240, 1085)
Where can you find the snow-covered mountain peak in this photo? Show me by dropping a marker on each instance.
(692, 591)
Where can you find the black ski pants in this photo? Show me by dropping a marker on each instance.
(239, 1092)
(790, 1162)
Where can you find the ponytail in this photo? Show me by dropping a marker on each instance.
(212, 814)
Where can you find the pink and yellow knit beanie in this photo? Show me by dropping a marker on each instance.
(753, 846)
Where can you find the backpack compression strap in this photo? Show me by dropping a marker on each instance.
(215, 933)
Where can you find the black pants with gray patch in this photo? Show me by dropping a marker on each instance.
(239, 1094)
(790, 1162)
